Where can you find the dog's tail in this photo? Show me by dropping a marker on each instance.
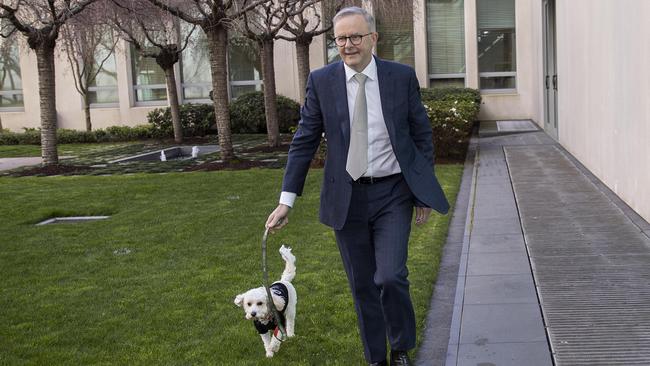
(290, 264)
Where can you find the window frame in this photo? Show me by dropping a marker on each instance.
(133, 87)
(489, 74)
(450, 75)
(13, 92)
(182, 84)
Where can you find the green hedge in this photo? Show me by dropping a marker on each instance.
(32, 136)
(452, 112)
(451, 94)
(247, 113)
(196, 120)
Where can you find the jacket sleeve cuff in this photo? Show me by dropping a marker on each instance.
(287, 198)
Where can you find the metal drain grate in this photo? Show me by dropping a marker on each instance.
(71, 220)
(590, 262)
(516, 125)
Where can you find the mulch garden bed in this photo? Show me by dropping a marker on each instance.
(50, 170)
(267, 149)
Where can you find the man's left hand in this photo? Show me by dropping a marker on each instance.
(422, 215)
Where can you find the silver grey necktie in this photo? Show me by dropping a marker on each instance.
(357, 163)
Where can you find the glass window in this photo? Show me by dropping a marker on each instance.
(196, 78)
(395, 30)
(496, 44)
(446, 42)
(103, 90)
(148, 78)
(11, 93)
(245, 68)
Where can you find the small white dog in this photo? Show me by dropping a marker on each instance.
(254, 302)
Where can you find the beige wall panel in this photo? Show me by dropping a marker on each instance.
(317, 53)
(420, 42)
(68, 100)
(471, 46)
(604, 86)
(286, 69)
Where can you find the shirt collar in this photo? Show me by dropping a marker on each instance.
(370, 71)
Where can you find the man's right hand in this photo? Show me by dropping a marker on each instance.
(278, 218)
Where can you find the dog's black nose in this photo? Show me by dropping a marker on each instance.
(253, 313)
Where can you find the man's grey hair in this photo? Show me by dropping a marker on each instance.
(354, 10)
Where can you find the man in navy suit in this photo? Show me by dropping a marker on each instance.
(379, 166)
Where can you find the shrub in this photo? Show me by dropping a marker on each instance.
(247, 113)
(452, 112)
(32, 136)
(66, 136)
(196, 120)
(451, 94)
(124, 133)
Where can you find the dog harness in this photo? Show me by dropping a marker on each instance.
(278, 289)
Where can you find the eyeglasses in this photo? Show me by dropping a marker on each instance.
(354, 39)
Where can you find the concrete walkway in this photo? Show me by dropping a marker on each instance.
(543, 265)
(13, 163)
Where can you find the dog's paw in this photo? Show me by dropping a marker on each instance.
(269, 354)
(291, 333)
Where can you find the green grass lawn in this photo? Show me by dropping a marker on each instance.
(155, 283)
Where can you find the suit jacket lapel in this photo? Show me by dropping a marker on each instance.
(386, 94)
(340, 97)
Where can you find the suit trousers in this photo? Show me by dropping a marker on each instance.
(374, 248)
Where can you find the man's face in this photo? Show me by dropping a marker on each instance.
(355, 56)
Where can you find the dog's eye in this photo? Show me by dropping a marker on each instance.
(259, 303)
(249, 304)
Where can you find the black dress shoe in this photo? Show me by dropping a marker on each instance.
(382, 363)
(400, 358)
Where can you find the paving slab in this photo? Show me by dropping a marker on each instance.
(500, 289)
(497, 243)
(500, 323)
(504, 354)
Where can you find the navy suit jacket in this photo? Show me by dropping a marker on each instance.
(326, 110)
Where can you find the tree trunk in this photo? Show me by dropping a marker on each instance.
(47, 96)
(172, 95)
(1, 124)
(302, 57)
(270, 97)
(86, 101)
(218, 43)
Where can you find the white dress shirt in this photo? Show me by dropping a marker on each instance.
(381, 158)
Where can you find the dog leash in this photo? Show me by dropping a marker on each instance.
(269, 298)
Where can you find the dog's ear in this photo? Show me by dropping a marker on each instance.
(239, 300)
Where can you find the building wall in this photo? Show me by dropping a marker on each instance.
(604, 88)
(523, 104)
(69, 103)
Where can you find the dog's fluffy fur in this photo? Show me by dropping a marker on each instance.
(254, 302)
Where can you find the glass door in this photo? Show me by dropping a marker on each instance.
(550, 70)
